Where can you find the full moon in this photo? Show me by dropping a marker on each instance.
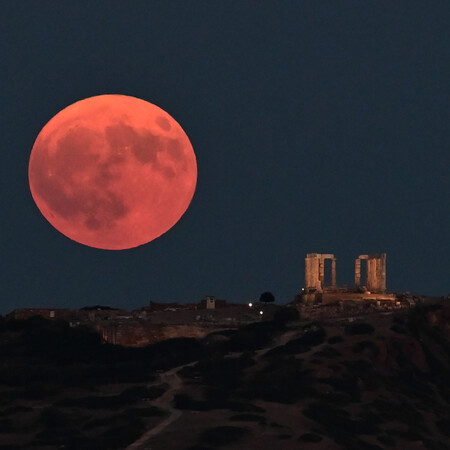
(112, 172)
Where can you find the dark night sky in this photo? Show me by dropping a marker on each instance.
(319, 126)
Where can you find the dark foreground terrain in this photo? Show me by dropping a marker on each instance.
(373, 382)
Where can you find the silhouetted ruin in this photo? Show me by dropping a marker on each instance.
(368, 286)
(315, 271)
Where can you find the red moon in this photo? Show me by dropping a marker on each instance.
(112, 172)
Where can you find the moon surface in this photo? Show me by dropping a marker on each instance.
(112, 172)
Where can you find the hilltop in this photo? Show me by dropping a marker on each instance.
(371, 381)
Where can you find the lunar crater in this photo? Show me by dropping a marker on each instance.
(103, 211)
(163, 123)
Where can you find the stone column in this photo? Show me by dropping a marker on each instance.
(321, 271)
(376, 273)
(380, 261)
(358, 272)
(370, 284)
(333, 272)
(378, 280)
(372, 274)
(312, 272)
(308, 270)
(383, 273)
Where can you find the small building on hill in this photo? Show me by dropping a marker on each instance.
(211, 302)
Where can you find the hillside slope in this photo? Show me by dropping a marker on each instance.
(376, 382)
(366, 382)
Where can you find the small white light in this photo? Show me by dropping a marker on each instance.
(250, 305)
(261, 312)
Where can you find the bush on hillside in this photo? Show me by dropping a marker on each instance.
(338, 421)
(127, 397)
(358, 328)
(282, 381)
(252, 337)
(223, 435)
(335, 339)
(224, 372)
(285, 315)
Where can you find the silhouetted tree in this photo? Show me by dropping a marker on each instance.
(267, 297)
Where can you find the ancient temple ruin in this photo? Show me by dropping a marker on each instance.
(315, 271)
(376, 272)
(370, 279)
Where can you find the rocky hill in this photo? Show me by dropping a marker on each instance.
(379, 381)
(368, 382)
